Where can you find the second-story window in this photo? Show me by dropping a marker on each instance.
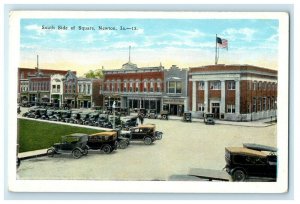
(145, 86)
(125, 87)
(79, 87)
(215, 85)
(201, 85)
(158, 89)
(231, 85)
(151, 86)
(88, 89)
(136, 86)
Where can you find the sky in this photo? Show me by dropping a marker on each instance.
(182, 42)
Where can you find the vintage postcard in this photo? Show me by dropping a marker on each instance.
(166, 102)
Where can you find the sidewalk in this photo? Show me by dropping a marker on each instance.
(32, 154)
(258, 123)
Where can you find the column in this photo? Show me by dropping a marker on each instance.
(206, 96)
(194, 97)
(237, 97)
(222, 105)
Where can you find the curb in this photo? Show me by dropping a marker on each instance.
(33, 156)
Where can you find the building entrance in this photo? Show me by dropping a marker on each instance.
(215, 109)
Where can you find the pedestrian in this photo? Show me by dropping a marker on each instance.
(141, 118)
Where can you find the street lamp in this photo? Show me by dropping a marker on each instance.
(114, 120)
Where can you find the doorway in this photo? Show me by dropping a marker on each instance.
(215, 109)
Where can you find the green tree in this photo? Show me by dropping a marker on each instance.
(95, 74)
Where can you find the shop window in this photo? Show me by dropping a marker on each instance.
(201, 107)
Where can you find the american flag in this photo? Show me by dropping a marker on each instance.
(222, 43)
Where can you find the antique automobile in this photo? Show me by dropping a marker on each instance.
(56, 116)
(151, 114)
(164, 115)
(83, 118)
(143, 111)
(145, 133)
(251, 160)
(187, 117)
(48, 114)
(75, 144)
(104, 141)
(93, 117)
(65, 115)
(129, 122)
(209, 119)
(124, 111)
(75, 116)
(103, 118)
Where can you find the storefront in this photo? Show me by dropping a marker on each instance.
(148, 103)
(175, 106)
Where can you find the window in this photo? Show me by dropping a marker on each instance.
(201, 107)
(264, 107)
(53, 86)
(231, 85)
(249, 108)
(158, 87)
(259, 85)
(119, 86)
(145, 86)
(254, 105)
(136, 86)
(259, 104)
(175, 87)
(79, 87)
(215, 85)
(178, 86)
(125, 86)
(230, 108)
(254, 85)
(151, 86)
(88, 89)
(201, 85)
(171, 88)
(131, 86)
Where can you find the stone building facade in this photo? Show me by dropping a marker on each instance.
(233, 92)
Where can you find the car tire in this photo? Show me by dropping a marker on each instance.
(123, 144)
(159, 136)
(106, 149)
(50, 152)
(76, 153)
(148, 140)
(239, 175)
(164, 117)
(85, 151)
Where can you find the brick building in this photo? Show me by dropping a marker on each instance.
(34, 84)
(89, 93)
(233, 92)
(133, 87)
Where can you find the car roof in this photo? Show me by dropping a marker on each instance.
(76, 135)
(260, 147)
(146, 126)
(245, 151)
(104, 134)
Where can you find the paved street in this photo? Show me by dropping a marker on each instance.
(184, 146)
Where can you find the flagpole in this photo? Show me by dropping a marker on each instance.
(216, 60)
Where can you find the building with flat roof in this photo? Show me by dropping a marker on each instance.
(233, 92)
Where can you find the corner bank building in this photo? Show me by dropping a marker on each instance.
(233, 92)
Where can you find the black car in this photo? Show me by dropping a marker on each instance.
(251, 160)
(104, 141)
(164, 115)
(129, 122)
(75, 116)
(187, 117)
(75, 144)
(151, 114)
(209, 119)
(145, 133)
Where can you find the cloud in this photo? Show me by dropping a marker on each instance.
(124, 44)
(245, 34)
(38, 29)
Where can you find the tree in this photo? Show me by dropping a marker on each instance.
(95, 74)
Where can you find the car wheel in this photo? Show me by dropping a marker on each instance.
(123, 144)
(106, 149)
(85, 151)
(76, 153)
(147, 140)
(159, 136)
(239, 175)
(164, 117)
(50, 152)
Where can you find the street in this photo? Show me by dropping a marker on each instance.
(183, 146)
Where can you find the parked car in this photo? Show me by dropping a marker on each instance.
(75, 116)
(48, 114)
(104, 141)
(209, 119)
(251, 160)
(164, 115)
(187, 117)
(103, 118)
(151, 114)
(145, 133)
(65, 115)
(75, 144)
(129, 122)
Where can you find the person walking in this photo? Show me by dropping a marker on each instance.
(141, 118)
